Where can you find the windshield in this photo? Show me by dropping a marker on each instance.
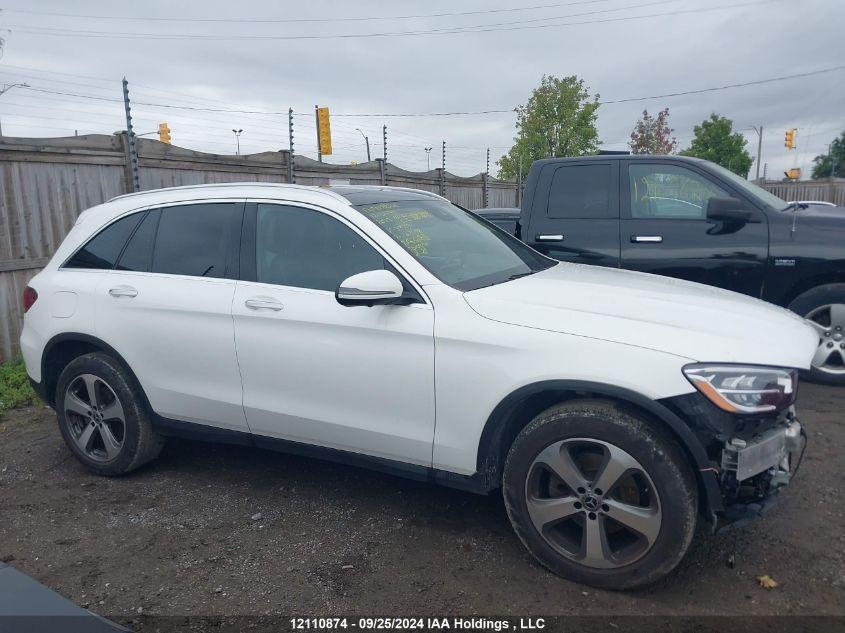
(750, 188)
(454, 245)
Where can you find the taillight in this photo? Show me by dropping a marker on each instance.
(29, 298)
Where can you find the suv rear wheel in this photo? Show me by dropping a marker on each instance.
(102, 416)
(599, 496)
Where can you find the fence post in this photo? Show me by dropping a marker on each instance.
(131, 152)
(485, 182)
(441, 176)
(381, 170)
(384, 156)
(291, 167)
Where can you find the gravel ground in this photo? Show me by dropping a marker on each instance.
(212, 530)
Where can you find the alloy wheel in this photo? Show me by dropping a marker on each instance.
(95, 417)
(593, 503)
(829, 322)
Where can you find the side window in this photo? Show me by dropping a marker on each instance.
(139, 251)
(308, 249)
(581, 192)
(670, 192)
(193, 239)
(103, 249)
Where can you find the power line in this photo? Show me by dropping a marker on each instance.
(503, 26)
(300, 20)
(437, 114)
(726, 87)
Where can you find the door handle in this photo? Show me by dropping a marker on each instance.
(557, 237)
(648, 239)
(123, 291)
(263, 303)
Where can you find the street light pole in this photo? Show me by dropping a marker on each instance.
(6, 88)
(428, 158)
(367, 141)
(759, 148)
(237, 140)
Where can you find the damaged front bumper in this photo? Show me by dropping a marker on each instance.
(751, 457)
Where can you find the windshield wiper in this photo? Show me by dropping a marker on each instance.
(518, 275)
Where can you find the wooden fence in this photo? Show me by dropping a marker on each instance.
(828, 190)
(46, 183)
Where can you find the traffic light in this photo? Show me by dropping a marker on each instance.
(324, 131)
(789, 138)
(164, 133)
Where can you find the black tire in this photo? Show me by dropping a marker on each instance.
(139, 442)
(806, 304)
(663, 461)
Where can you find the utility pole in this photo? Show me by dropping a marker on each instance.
(367, 141)
(317, 122)
(759, 131)
(428, 158)
(130, 140)
(291, 174)
(238, 140)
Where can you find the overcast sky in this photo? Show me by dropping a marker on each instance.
(212, 62)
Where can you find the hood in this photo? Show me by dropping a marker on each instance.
(687, 319)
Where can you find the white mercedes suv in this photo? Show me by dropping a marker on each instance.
(387, 327)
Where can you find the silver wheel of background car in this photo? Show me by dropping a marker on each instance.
(593, 502)
(829, 321)
(95, 417)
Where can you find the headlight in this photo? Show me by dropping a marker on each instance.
(745, 389)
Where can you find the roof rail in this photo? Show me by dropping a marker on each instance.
(430, 194)
(223, 185)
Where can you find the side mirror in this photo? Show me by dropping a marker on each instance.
(728, 210)
(374, 287)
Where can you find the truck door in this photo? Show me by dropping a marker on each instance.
(575, 215)
(665, 229)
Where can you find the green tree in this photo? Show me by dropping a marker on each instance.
(716, 141)
(558, 120)
(835, 158)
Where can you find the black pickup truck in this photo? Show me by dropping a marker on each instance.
(689, 218)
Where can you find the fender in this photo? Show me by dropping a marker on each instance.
(488, 461)
(45, 390)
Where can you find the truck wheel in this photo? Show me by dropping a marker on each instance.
(102, 416)
(824, 308)
(599, 496)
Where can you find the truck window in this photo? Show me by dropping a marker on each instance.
(670, 192)
(581, 192)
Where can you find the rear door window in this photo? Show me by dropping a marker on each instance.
(138, 253)
(581, 192)
(195, 239)
(102, 251)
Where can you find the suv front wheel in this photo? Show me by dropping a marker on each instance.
(102, 416)
(599, 496)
